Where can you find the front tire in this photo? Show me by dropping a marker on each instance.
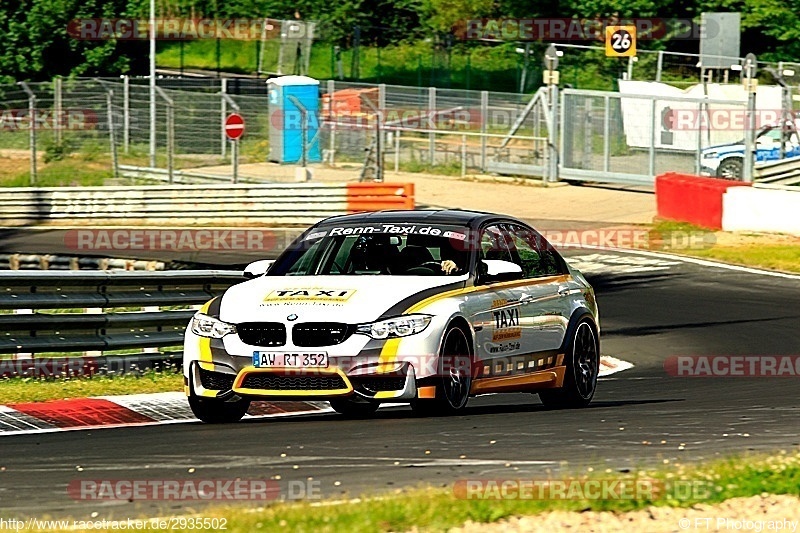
(216, 411)
(583, 366)
(455, 377)
(731, 169)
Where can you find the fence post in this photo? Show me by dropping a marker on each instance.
(58, 108)
(554, 136)
(170, 133)
(111, 136)
(126, 113)
(463, 155)
(223, 115)
(332, 140)
(228, 101)
(606, 133)
(653, 127)
(397, 151)
(235, 161)
(587, 133)
(431, 113)
(484, 120)
(32, 127)
(171, 141)
(659, 64)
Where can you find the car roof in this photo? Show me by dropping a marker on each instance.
(456, 217)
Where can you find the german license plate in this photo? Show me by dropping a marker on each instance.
(290, 359)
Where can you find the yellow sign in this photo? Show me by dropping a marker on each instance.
(621, 41)
(310, 294)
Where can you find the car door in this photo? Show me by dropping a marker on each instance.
(544, 301)
(494, 313)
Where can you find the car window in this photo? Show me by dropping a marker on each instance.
(377, 249)
(493, 244)
(533, 253)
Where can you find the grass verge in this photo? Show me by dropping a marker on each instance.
(437, 509)
(25, 390)
(773, 252)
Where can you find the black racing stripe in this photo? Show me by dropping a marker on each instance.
(400, 307)
(213, 307)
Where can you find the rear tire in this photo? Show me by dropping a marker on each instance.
(455, 377)
(583, 366)
(216, 411)
(352, 409)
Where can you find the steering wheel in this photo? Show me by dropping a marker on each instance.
(436, 266)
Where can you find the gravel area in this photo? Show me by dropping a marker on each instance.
(757, 514)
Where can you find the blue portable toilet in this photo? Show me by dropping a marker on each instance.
(286, 124)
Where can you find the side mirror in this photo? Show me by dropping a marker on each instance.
(493, 270)
(257, 268)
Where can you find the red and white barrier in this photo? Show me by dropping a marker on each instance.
(727, 205)
(693, 199)
(771, 210)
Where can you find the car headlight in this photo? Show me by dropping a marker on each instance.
(400, 326)
(207, 326)
(710, 155)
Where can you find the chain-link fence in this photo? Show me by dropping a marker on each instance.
(97, 131)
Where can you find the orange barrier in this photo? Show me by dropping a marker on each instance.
(378, 196)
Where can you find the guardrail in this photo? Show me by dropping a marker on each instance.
(265, 204)
(782, 172)
(81, 325)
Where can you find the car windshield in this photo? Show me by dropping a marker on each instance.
(378, 249)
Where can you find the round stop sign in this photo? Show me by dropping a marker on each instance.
(234, 126)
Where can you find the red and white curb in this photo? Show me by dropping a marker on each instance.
(153, 409)
(124, 411)
(611, 365)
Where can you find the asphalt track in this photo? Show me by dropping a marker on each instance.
(651, 309)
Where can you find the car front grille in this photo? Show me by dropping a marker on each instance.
(383, 383)
(216, 380)
(312, 334)
(266, 381)
(262, 333)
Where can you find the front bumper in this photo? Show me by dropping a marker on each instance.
(375, 382)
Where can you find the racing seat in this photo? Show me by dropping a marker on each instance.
(411, 257)
(370, 254)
